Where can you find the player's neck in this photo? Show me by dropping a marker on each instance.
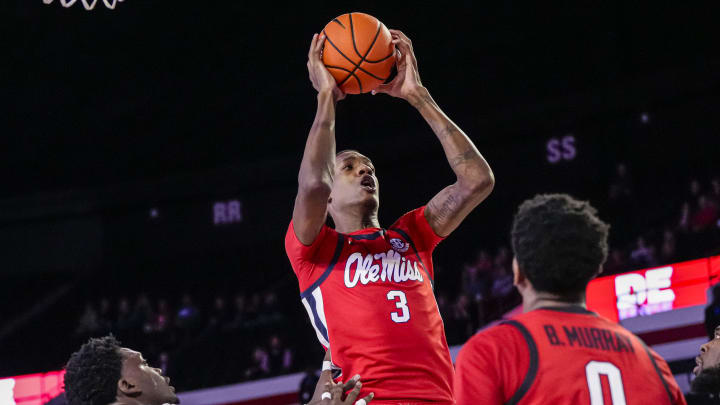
(351, 223)
(127, 401)
(536, 300)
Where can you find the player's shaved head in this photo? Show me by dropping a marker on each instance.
(351, 153)
(560, 244)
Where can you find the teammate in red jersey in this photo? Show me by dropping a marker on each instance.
(558, 352)
(383, 277)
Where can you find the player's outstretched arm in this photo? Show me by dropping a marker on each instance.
(318, 162)
(475, 179)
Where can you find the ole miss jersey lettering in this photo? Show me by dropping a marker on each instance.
(369, 296)
(562, 356)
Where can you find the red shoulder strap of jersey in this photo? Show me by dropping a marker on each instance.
(532, 369)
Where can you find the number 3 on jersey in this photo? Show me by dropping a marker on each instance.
(401, 304)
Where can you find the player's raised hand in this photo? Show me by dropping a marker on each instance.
(407, 82)
(333, 394)
(320, 77)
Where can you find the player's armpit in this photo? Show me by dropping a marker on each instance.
(452, 205)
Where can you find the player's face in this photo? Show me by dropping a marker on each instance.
(354, 182)
(152, 387)
(709, 354)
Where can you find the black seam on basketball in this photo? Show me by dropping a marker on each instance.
(362, 57)
(350, 73)
(357, 65)
(352, 33)
(383, 59)
(380, 60)
(350, 60)
(338, 21)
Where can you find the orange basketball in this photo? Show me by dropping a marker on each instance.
(358, 52)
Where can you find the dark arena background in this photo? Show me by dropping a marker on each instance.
(150, 157)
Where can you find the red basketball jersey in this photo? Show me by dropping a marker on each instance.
(369, 295)
(562, 356)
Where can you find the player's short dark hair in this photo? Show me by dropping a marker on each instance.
(559, 243)
(93, 372)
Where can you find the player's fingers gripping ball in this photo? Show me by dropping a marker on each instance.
(358, 52)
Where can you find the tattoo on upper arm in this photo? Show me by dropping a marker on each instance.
(469, 154)
(443, 213)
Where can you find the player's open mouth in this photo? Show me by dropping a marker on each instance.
(368, 184)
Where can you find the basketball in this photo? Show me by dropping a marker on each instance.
(358, 52)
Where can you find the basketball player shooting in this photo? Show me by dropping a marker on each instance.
(383, 277)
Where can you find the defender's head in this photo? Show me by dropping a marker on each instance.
(707, 370)
(102, 372)
(560, 245)
(354, 184)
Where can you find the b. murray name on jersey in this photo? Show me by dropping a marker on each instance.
(590, 338)
(390, 266)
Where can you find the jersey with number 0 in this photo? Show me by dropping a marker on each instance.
(562, 356)
(369, 296)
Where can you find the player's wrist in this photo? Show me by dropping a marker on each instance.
(325, 94)
(419, 97)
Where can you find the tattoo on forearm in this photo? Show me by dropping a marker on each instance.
(421, 101)
(468, 155)
(448, 130)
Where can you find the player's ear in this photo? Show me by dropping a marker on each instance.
(518, 277)
(128, 388)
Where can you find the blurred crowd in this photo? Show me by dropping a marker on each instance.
(249, 337)
(242, 339)
(691, 231)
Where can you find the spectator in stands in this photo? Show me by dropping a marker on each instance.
(105, 316)
(188, 316)
(621, 186)
(706, 216)
(259, 366)
(685, 216)
(89, 323)
(307, 384)
(668, 250)
(279, 358)
(694, 189)
(164, 362)
(715, 191)
(163, 318)
(616, 262)
(103, 373)
(238, 317)
(252, 308)
(475, 282)
(123, 322)
(644, 254)
(218, 315)
(142, 315)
